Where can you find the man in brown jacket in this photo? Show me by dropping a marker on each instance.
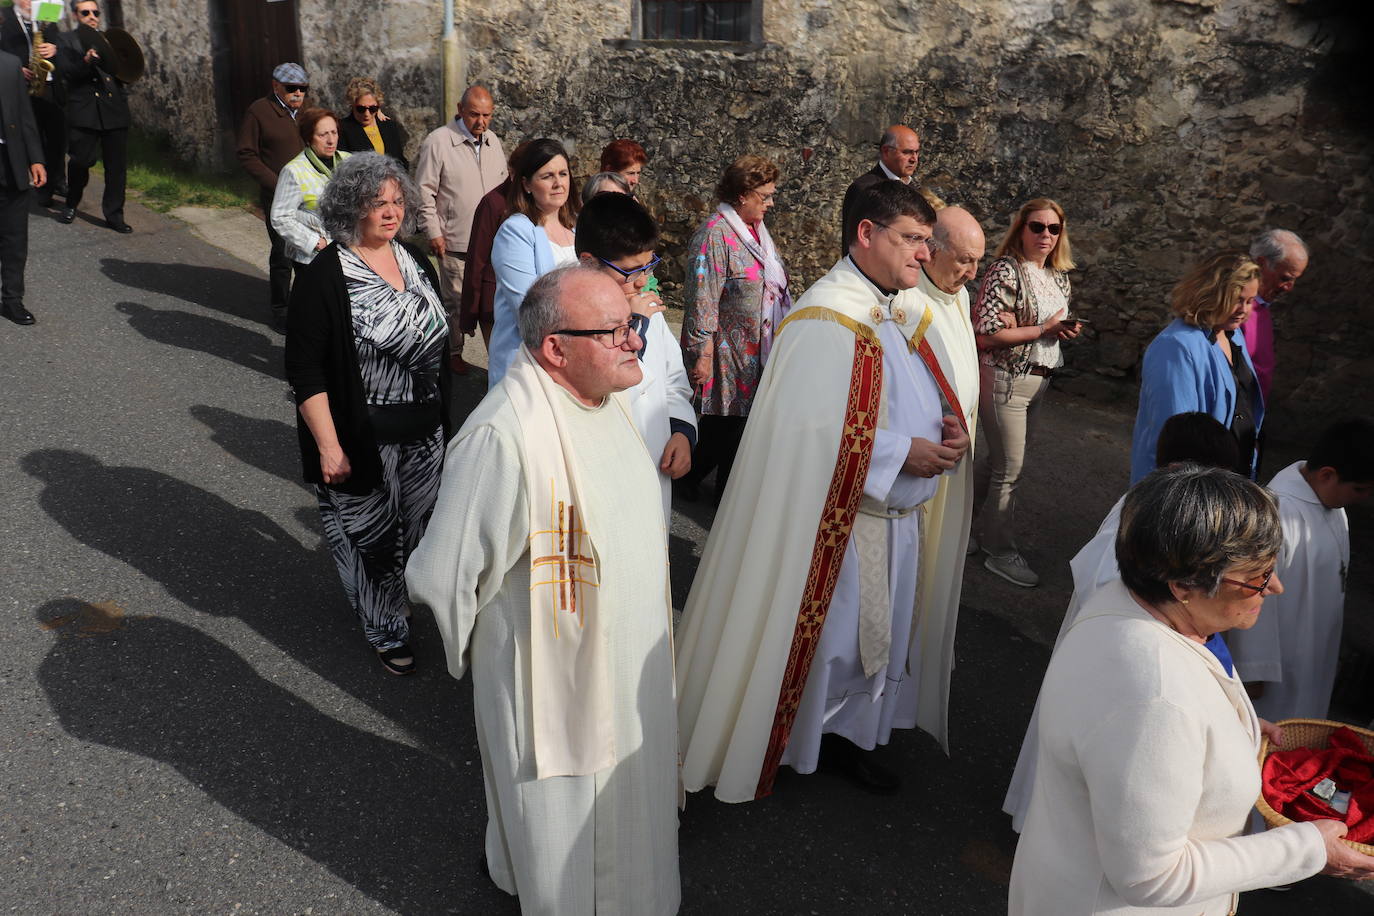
(458, 164)
(268, 139)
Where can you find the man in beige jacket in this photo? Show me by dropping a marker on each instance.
(458, 164)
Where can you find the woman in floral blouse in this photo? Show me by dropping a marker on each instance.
(736, 295)
(1021, 315)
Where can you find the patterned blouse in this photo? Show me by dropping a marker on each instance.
(399, 334)
(724, 314)
(1033, 295)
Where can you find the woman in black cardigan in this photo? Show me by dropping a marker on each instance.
(365, 129)
(365, 351)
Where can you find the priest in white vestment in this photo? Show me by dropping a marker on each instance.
(546, 567)
(1288, 659)
(800, 621)
(955, 250)
(1192, 438)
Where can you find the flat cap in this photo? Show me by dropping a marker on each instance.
(290, 73)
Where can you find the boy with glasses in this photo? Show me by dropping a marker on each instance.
(616, 233)
(1288, 658)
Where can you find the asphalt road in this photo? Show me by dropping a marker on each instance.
(190, 721)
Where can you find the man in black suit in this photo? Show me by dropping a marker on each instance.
(21, 167)
(16, 37)
(899, 152)
(98, 118)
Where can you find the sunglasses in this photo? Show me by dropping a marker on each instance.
(370, 109)
(296, 87)
(1038, 227)
(94, 14)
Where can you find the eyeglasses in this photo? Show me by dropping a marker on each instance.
(764, 198)
(296, 87)
(94, 14)
(631, 274)
(909, 242)
(619, 335)
(1257, 589)
(370, 109)
(1038, 227)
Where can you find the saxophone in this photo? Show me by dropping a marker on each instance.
(39, 65)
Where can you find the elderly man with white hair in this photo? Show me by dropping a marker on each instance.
(1282, 258)
(956, 248)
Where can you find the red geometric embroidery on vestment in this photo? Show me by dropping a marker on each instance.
(832, 537)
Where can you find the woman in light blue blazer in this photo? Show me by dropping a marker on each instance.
(1199, 362)
(536, 237)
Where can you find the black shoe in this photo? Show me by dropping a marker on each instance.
(840, 755)
(67, 215)
(60, 190)
(121, 227)
(398, 659)
(18, 314)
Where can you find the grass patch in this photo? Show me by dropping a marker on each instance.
(163, 182)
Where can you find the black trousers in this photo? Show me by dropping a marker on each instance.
(14, 239)
(110, 147)
(279, 267)
(52, 131)
(718, 440)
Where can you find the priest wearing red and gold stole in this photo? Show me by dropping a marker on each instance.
(800, 643)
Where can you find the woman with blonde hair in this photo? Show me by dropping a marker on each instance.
(1199, 362)
(365, 129)
(1019, 318)
(735, 297)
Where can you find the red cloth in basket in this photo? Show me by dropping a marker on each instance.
(1287, 776)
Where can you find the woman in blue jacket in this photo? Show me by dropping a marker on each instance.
(536, 237)
(1199, 362)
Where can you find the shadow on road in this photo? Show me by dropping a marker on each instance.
(230, 562)
(268, 445)
(204, 334)
(395, 822)
(229, 291)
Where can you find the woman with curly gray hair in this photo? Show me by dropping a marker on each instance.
(1146, 760)
(365, 347)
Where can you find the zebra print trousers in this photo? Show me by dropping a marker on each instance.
(372, 536)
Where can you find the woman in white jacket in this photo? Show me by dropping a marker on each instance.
(1146, 758)
(616, 233)
(295, 214)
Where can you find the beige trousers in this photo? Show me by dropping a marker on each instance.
(1006, 409)
(451, 267)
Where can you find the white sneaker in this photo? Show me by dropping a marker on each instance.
(973, 548)
(1013, 568)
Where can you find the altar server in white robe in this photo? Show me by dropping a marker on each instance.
(955, 250)
(1288, 659)
(1191, 438)
(618, 236)
(799, 622)
(546, 567)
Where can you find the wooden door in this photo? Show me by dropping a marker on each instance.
(253, 37)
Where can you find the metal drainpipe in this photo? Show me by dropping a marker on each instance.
(452, 63)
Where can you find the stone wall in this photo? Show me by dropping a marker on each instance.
(1166, 128)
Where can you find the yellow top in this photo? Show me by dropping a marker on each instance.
(375, 136)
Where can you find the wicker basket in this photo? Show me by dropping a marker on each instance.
(1316, 734)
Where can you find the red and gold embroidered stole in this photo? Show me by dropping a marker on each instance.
(832, 535)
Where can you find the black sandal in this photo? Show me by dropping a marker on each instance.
(391, 659)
